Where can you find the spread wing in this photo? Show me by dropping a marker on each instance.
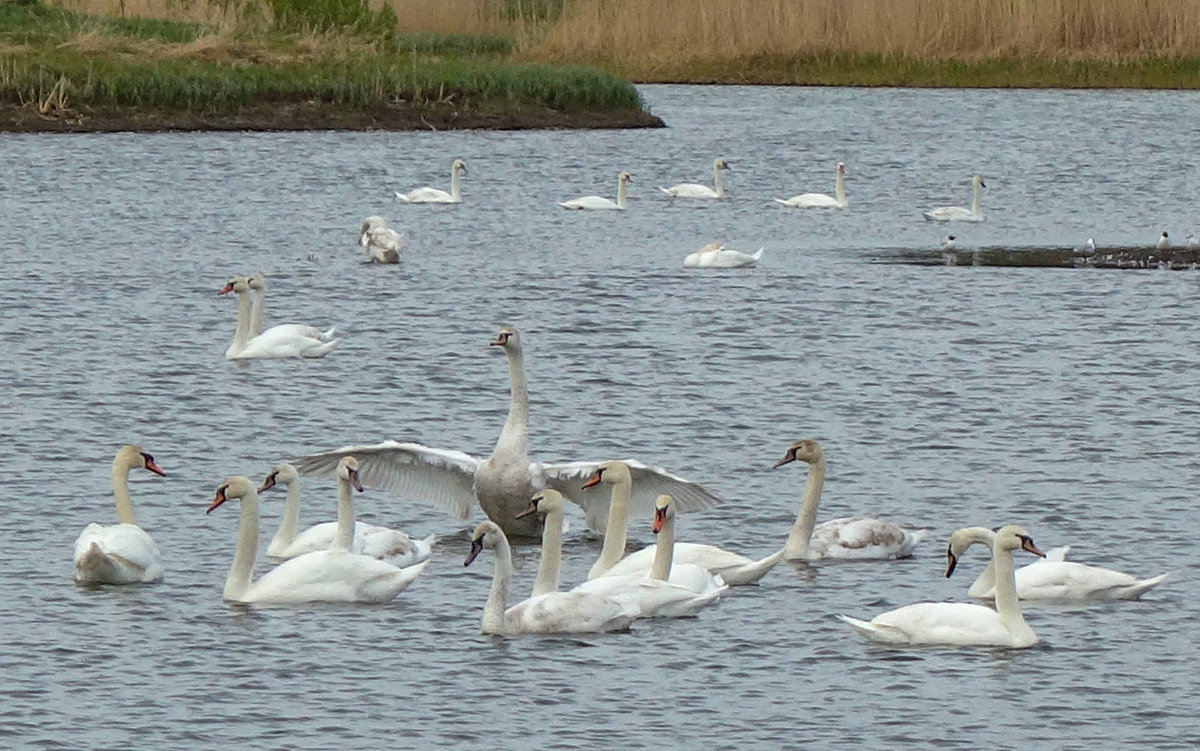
(648, 483)
(443, 477)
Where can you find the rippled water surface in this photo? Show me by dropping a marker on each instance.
(1063, 400)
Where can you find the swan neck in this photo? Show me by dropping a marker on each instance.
(454, 194)
(664, 551)
(493, 611)
(242, 333)
(717, 183)
(1007, 604)
(839, 188)
(551, 560)
(616, 531)
(291, 520)
(120, 488)
(806, 519)
(513, 437)
(345, 523)
(242, 570)
(975, 199)
(256, 314)
(620, 193)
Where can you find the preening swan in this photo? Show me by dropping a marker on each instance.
(433, 195)
(956, 623)
(1054, 578)
(695, 190)
(715, 256)
(334, 575)
(958, 213)
(390, 545)
(549, 613)
(285, 340)
(121, 553)
(847, 538)
(381, 243)
(821, 200)
(503, 482)
(598, 203)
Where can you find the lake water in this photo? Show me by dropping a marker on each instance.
(1063, 400)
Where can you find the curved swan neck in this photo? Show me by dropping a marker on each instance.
(120, 488)
(551, 560)
(620, 193)
(1007, 604)
(454, 192)
(806, 519)
(616, 530)
(345, 523)
(664, 550)
(291, 519)
(242, 570)
(513, 437)
(493, 611)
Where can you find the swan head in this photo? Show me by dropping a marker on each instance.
(722, 164)
(134, 457)
(281, 473)
(963, 539)
(486, 535)
(1013, 537)
(664, 509)
(625, 177)
(841, 168)
(508, 339)
(806, 450)
(977, 181)
(236, 284)
(256, 281)
(544, 502)
(233, 487)
(347, 469)
(459, 166)
(610, 472)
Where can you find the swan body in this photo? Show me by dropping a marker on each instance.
(597, 203)
(434, 195)
(381, 243)
(961, 624)
(334, 575)
(285, 340)
(958, 213)
(1054, 578)
(733, 568)
(549, 613)
(121, 553)
(695, 190)
(715, 256)
(503, 482)
(849, 538)
(821, 200)
(390, 545)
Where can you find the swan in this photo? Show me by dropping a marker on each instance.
(1055, 578)
(598, 203)
(694, 190)
(502, 482)
(549, 613)
(381, 243)
(389, 545)
(433, 195)
(821, 200)
(734, 569)
(958, 623)
(847, 538)
(715, 256)
(1164, 241)
(285, 340)
(334, 575)
(958, 213)
(121, 553)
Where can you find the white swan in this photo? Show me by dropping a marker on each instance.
(503, 482)
(821, 200)
(121, 553)
(597, 203)
(734, 569)
(958, 213)
(550, 613)
(433, 195)
(285, 340)
(334, 575)
(390, 545)
(695, 190)
(1054, 578)
(381, 243)
(715, 256)
(847, 538)
(957, 623)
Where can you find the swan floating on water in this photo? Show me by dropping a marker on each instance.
(962, 624)
(597, 203)
(958, 213)
(381, 243)
(503, 482)
(822, 200)
(434, 195)
(695, 190)
(121, 553)
(715, 256)
(284, 340)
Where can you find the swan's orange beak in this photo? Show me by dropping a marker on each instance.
(951, 562)
(268, 483)
(594, 480)
(218, 500)
(660, 518)
(150, 465)
(1028, 546)
(226, 289)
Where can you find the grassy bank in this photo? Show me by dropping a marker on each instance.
(63, 70)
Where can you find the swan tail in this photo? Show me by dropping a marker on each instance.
(751, 572)
(668, 191)
(782, 201)
(927, 215)
(1135, 591)
(876, 632)
(326, 336)
(401, 196)
(758, 256)
(321, 349)
(97, 567)
(912, 540)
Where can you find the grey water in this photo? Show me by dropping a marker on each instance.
(1064, 400)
